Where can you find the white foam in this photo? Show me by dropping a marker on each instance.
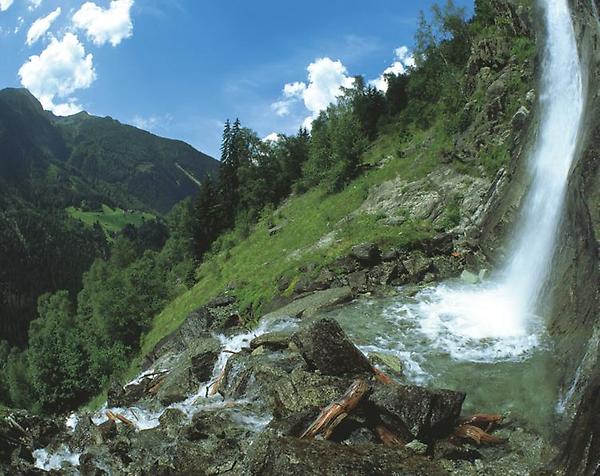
(145, 418)
(53, 461)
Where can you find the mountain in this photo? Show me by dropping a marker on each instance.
(88, 166)
(86, 156)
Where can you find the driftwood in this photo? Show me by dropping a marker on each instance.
(115, 417)
(335, 413)
(388, 437)
(482, 420)
(383, 378)
(476, 435)
(155, 387)
(476, 429)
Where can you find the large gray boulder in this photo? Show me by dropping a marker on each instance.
(326, 348)
(422, 413)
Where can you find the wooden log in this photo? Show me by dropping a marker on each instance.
(115, 417)
(388, 437)
(482, 420)
(336, 412)
(476, 435)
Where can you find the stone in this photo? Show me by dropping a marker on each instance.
(389, 255)
(310, 305)
(483, 274)
(422, 413)
(417, 264)
(325, 347)
(358, 281)
(367, 254)
(384, 274)
(274, 455)
(417, 447)
(469, 278)
(389, 361)
(300, 391)
(519, 120)
(272, 340)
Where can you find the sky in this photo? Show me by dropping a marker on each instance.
(180, 68)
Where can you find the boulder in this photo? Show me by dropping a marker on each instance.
(425, 414)
(417, 265)
(272, 340)
(274, 455)
(325, 347)
(300, 390)
(469, 278)
(368, 254)
(310, 305)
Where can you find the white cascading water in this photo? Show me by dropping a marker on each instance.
(501, 315)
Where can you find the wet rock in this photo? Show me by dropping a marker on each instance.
(300, 390)
(203, 357)
(325, 347)
(389, 255)
(384, 274)
(425, 414)
(445, 449)
(275, 455)
(368, 254)
(469, 278)
(417, 264)
(388, 362)
(254, 376)
(358, 281)
(272, 340)
(519, 120)
(308, 306)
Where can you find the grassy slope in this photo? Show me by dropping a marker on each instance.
(111, 220)
(255, 263)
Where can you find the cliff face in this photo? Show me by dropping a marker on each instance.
(575, 322)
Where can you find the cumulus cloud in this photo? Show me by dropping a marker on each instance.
(272, 137)
(41, 26)
(326, 78)
(5, 5)
(60, 70)
(402, 62)
(33, 4)
(105, 25)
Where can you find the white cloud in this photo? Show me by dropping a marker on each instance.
(152, 123)
(282, 108)
(105, 25)
(60, 70)
(19, 25)
(294, 89)
(272, 137)
(403, 61)
(33, 4)
(326, 78)
(5, 5)
(41, 26)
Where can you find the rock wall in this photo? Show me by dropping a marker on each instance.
(576, 286)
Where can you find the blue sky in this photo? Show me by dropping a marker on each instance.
(181, 67)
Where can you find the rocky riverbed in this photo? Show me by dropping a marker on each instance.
(217, 399)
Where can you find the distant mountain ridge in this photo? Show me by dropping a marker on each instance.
(82, 163)
(85, 156)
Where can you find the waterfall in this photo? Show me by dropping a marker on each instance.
(561, 108)
(497, 320)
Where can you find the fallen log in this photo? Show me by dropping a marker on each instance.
(336, 412)
(482, 420)
(476, 435)
(388, 437)
(115, 417)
